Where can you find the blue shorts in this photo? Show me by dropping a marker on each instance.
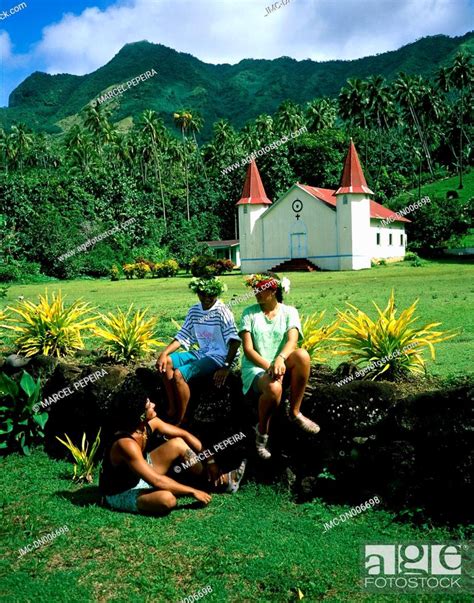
(127, 501)
(190, 365)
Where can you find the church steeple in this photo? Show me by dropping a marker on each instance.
(253, 192)
(353, 179)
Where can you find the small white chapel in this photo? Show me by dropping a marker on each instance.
(309, 227)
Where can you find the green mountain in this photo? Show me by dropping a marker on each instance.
(237, 92)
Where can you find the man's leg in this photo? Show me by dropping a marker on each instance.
(183, 395)
(167, 379)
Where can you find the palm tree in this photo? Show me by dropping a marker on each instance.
(408, 92)
(353, 103)
(321, 114)
(380, 108)
(153, 129)
(461, 75)
(183, 120)
(289, 117)
(96, 120)
(20, 141)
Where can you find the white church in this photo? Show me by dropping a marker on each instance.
(310, 227)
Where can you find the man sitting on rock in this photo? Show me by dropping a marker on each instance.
(210, 325)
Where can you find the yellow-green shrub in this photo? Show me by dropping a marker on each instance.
(84, 460)
(317, 337)
(50, 328)
(127, 336)
(392, 345)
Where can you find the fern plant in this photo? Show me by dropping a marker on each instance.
(127, 336)
(50, 327)
(317, 337)
(84, 460)
(390, 344)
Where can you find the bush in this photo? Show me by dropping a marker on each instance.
(127, 337)
(391, 345)
(84, 460)
(142, 269)
(410, 256)
(165, 269)
(18, 270)
(52, 329)
(20, 425)
(224, 266)
(129, 271)
(317, 339)
(114, 273)
(207, 266)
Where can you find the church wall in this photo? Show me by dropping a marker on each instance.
(386, 250)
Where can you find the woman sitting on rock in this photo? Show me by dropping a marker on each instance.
(136, 463)
(270, 331)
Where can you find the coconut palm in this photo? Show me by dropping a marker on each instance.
(408, 91)
(461, 74)
(289, 118)
(320, 114)
(153, 130)
(20, 142)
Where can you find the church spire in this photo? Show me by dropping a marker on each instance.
(253, 192)
(353, 179)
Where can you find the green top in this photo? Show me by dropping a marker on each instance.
(268, 336)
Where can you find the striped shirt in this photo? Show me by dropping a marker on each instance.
(211, 329)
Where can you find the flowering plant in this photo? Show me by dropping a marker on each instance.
(208, 286)
(265, 281)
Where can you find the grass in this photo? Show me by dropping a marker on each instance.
(255, 546)
(445, 290)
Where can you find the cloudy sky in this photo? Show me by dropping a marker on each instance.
(78, 36)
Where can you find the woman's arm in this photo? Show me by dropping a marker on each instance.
(278, 366)
(132, 455)
(175, 432)
(250, 352)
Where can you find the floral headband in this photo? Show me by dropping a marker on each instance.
(207, 286)
(265, 281)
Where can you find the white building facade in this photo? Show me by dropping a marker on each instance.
(332, 229)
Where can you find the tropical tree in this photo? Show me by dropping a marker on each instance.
(289, 118)
(320, 114)
(20, 142)
(153, 129)
(461, 75)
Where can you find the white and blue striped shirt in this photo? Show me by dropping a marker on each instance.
(211, 329)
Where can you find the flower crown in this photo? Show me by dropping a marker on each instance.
(208, 286)
(258, 281)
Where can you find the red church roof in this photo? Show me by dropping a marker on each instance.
(353, 179)
(253, 192)
(377, 211)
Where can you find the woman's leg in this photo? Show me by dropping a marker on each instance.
(158, 502)
(298, 364)
(270, 397)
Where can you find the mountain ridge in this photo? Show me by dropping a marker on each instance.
(52, 103)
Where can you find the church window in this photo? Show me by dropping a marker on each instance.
(401, 239)
(390, 237)
(378, 238)
(246, 209)
(344, 200)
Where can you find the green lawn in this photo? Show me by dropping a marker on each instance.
(441, 187)
(255, 546)
(445, 290)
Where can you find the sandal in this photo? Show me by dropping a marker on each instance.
(235, 477)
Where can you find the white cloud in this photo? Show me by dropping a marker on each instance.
(220, 31)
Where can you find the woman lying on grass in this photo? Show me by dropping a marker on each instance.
(135, 466)
(270, 332)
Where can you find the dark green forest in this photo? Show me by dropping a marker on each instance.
(57, 191)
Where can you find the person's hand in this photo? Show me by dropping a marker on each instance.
(201, 496)
(220, 376)
(162, 362)
(277, 369)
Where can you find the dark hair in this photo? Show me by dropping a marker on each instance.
(279, 291)
(127, 404)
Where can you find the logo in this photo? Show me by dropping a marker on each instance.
(418, 567)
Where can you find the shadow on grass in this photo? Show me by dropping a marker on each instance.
(87, 496)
